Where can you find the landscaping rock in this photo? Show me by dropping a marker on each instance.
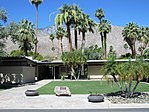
(143, 98)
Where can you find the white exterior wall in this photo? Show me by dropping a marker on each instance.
(18, 74)
(29, 74)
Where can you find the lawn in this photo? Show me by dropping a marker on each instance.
(85, 87)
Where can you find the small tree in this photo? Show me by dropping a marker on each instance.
(127, 72)
(110, 68)
(74, 60)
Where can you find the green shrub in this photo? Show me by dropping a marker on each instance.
(18, 53)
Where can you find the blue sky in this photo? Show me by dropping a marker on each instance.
(118, 12)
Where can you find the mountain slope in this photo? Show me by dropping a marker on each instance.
(44, 46)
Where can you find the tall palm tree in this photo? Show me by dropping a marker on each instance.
(143, 38)
(60, 33)
(83, 27)
(75, 23)
(26, 35)
(85, 24)
(104, 28)
(100, 15)
(67, 14)
(36, 3)
(130, 34)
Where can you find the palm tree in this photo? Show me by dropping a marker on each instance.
(75, 23)
(104, 28)
(3, 32)
(132, 70)
(143, 38)
(110, 68)
(26, 35)
(60, 33)
(130, 34)
(51, 37)
(100, 15)
(83, 27)
(141, 71)
(67, 14)
(85, 24)
(3, 15)
(36, 3)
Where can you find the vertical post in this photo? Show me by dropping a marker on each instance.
(54, 72)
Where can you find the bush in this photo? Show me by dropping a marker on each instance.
(19, 53)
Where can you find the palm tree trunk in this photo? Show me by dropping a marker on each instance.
(72, 72)
(69, 37)
(58, 47)
(134, 51)
(101, 39)
(133, 48)
(130, 83)
(138, 81)
(76, 38)
(25, 48)
(61, 46)
(117, 82)
(83, 40)
(82, 48)
(105, 45)
(141, 53)
(36, 5)
(127, 87)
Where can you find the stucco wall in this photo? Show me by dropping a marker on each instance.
(17, 74)
(28, 74)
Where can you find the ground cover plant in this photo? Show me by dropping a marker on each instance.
(86, 87)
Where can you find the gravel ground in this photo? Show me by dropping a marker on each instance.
(143, 98)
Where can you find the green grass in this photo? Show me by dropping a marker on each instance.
(85, 87)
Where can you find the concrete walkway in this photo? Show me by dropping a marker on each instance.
(15, 98)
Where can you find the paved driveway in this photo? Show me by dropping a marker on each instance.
(15, 98)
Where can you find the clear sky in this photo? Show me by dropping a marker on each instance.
(118, 12)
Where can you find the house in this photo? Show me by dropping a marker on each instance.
(22, 70)
(92, 67)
